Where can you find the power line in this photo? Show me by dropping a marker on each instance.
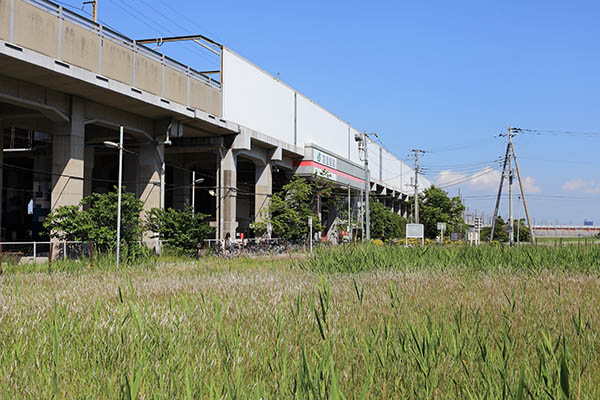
(466, 179)
(462, 146)
(193, 22)
(152, 24)
(558, 132)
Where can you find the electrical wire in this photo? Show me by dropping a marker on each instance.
(594, 135)
(153, 25)
(462, 146)
(466, 179)
(187, 44)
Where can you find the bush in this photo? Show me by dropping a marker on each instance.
(182, 230)
(385, 224)
(95, 219)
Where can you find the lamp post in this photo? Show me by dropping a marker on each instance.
(118, 146)
(362, 140)
(194, 181)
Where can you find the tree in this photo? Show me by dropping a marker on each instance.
(501, 234)
(95, 219)
(289, 211)
(181, 230)
(385, 224)
(436, 206)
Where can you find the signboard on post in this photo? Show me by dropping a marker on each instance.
(441, 227)
(415, 231)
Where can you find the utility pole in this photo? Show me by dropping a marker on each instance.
(511, 236)
(417, 151)
(362, 139)
(531, 233)
(94, 4)
(508, 158)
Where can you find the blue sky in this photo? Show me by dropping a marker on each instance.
(434, 75)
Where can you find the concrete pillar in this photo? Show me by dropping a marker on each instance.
(67, 158)
(404, 206)
(151, 174)
(228, 193)
(130, 173)
(263, 191)
(182, 190)
(88, 165)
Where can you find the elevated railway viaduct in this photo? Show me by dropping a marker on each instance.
(67, 84)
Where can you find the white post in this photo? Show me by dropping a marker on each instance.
(367, 189)
(349, 217)
(310, 235)
(34, 252)
(193, 192)
(119, 195)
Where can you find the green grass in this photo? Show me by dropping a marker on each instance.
(527, 259)
(568, 240)
(269, 328)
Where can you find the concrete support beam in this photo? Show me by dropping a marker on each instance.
(151, 175)
(227, 200)
(263, 191)
(68, 158)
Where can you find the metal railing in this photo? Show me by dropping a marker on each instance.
(20, 252)
(104, 32)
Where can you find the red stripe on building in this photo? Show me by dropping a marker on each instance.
(328, 169)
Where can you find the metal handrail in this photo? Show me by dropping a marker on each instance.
(105, 32)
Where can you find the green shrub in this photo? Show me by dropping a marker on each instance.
(385, 224)
(95, 219)
(181, 229)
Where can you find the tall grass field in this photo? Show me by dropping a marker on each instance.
(343, 323)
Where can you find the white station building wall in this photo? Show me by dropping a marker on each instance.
(319, 126)
(256, 100)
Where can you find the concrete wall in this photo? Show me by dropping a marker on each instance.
(4, 19)
(117, 62)
(176, 87)
(148, 75)
(77, 41)
(205, 98)
(80, 47)
(35, 29)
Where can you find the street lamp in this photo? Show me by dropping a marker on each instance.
(362, 140)
(194, 181)
(118, 146)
